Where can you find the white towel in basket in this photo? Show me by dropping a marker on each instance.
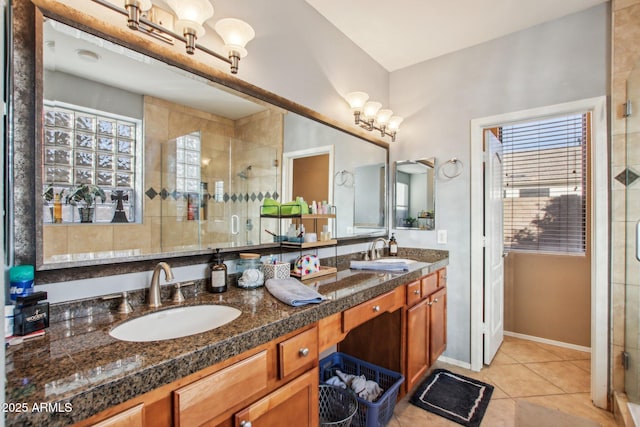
(293, 292)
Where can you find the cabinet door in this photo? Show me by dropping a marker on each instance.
(438, 324)
(417, 342)
(295, 403)
(130, 418)
(209, 397)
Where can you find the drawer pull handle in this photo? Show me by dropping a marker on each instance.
(376, 308)
(416, 292)
(435, 301)
(304, 352)
(245, 423)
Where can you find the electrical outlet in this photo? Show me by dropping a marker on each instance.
(442, 236)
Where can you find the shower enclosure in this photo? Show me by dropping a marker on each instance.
(212, 191)
(632, 288)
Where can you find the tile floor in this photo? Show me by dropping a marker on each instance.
(542, 374)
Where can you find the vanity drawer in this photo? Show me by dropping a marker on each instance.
(429, 284)
(298, 352)
(413, 293)
(205, 399)
(359, 314)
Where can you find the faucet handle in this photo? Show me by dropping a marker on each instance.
(177, 294)
(125, 307)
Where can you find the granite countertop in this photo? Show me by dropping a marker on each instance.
(77, 369)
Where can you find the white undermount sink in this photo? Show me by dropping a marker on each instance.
(395, 259)
(175, 323)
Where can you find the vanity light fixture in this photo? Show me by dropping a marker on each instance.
(369, 115)
(190, 17)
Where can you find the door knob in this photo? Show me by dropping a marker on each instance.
(376, 308)
(304, 352)
(245, 423)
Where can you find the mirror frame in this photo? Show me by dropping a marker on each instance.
(425, 162)
(24, 229)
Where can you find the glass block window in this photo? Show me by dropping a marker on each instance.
(83, 146)
(188, 163)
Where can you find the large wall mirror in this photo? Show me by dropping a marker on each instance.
(182, 162)
(414, 201)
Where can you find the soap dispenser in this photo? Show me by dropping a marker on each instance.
(393, 245)
(218, 274)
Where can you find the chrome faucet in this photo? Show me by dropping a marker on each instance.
(154, 287)
(373, 251)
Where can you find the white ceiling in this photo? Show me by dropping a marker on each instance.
(119, 67)
(401, 33)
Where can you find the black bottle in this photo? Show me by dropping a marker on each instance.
(218, 274)
(393, 245)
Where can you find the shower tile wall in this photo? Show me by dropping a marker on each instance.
(625, 56)
(169, 121)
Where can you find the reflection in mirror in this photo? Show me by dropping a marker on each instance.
(360, 203)
(191, 160)
(414, 204)
(184, 162)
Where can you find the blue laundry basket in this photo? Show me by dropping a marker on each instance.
(369, 414)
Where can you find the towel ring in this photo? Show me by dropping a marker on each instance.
(452, 168)
(344, 178)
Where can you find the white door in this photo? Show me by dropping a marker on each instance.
(494, 248)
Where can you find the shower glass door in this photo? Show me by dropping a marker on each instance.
(632, 288)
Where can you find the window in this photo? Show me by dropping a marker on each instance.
(83, 146)
(545, 183)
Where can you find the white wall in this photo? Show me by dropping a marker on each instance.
(299, 55)
(556, 62)
(296, 54)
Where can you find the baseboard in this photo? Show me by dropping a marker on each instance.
(454, 362)
(547, 341)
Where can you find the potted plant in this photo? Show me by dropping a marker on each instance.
(84, 196)
(410, 221)
(53, 202)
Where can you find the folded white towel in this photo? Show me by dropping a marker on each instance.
(379, 265)
(293, 292)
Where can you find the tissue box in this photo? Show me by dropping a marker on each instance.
(279, 270)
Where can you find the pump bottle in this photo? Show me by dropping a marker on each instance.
(218, 274)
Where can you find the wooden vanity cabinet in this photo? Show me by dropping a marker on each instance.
(133, 417)
(437, 324)
(264, 386)
(418, 318)
(426, 325)
(295, 403)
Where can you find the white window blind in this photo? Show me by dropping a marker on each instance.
(544, 184)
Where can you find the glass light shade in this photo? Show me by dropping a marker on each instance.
(371, 108)
(394, 123)
(383, 117)
(191, 14)
(356, 100)
(236, 34)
